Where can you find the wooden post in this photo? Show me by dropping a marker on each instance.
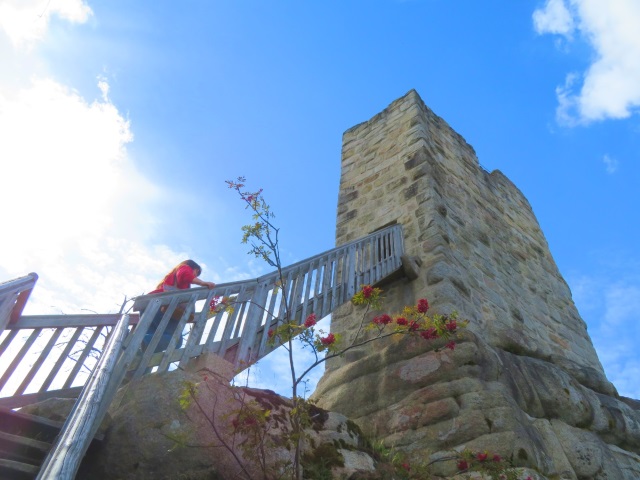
(13, 297)
(64, 459)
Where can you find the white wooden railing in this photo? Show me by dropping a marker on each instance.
(52, 355)
(13, 297)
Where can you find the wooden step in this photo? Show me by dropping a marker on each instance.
(25, 441)
(27, 425)
(23, 449)
(13, 470)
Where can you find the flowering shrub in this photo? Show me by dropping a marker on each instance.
(423, 305)
(328, 340)
(307, 334)
(412, 320)
(488, 463)
(219, 304)
(368, 295)
(310, 321)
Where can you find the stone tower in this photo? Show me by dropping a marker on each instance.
(525, 381)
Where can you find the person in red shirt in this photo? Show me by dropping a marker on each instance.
(181, 277)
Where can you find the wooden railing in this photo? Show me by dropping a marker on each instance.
(13, 297)
(316, 285)
(46, 356)
(51, 355)
(43, 356)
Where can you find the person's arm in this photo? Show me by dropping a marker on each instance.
(202, 283)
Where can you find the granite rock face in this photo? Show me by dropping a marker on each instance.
(151, 433)
(525, 380)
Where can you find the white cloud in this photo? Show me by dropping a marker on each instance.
(553, 18)
(611, 164)
(25, 22)
(609, 301)
(80, 210)
(622, 305)
(610, 86)
(75, 209)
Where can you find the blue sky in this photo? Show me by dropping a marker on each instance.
(120, 121)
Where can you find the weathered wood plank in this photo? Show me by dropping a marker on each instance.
(252, 323)
(13, 297)
(31, 398)
(38, 363)
(10, 465)
(7, 341)
(83, 356)
(69, 321)
(63, 357)
(25, 441)
(19, 357)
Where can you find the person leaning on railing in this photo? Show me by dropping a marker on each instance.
(181, 277)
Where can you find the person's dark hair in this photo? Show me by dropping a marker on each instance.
(193, 265)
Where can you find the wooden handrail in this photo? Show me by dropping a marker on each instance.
(317, 285)
(13, 297)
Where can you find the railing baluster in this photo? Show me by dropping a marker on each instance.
(307, 291)
(7, 341)
(61, 360)
(327, 286)
(296, 297)
(351, 266)
(168, 354)
(18, 358)
(83, 356)
(252, 323)
(38, 363)
(227, 334)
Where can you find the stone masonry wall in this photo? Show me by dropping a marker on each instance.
(525, 380)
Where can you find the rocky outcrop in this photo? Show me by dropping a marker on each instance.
(155, 430)
(525, 380)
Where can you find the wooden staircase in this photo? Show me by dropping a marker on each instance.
(25, 441)
(45, 356)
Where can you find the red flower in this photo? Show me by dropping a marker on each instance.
(401, 321)
(328, 340)
(367, 290)
(383, 319)
(423, 305)
(451, 326)
(406, 466)
(214, 302)
(451, 345)
(497, 458)
(310, 321)
(429, 334)
(463, 465)
(481, 457)
(270, 333)
(413, 325)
